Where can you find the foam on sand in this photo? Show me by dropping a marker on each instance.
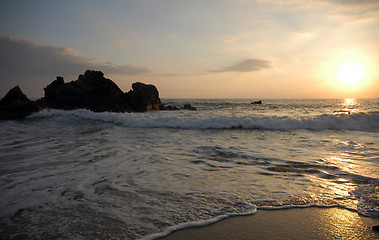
(290, 223)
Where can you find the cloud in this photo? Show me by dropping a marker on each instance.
(249, 65)
(23, 61)
(182, 74)
(355, 2)
(20, 56)
(343, 2)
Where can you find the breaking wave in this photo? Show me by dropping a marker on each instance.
(203, 120)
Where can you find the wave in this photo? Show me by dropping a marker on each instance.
(199, 120)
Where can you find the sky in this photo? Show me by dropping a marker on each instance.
(196, 48)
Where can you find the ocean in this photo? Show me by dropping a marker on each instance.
(84, 175)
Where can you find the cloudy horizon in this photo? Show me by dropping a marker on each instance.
(207, 49)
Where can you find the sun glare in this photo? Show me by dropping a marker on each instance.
(350, 74)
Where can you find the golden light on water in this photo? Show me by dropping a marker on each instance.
(349, 102)
(349, 105)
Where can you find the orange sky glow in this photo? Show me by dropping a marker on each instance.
(196, 49)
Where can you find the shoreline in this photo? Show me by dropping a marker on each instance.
(313, 222)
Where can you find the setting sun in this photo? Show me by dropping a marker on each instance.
(350, 73)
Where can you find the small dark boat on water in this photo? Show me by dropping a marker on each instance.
(257, 102)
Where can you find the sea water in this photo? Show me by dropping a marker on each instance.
(84, 175)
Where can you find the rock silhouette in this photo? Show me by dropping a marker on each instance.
(90, 91)
(16, 105)
(257, 102)
(144, 98)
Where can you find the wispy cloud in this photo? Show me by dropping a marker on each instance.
(355, 2)
(19, 56)
(248, 65)
(22, 60)
(344, 2)
(182, 74)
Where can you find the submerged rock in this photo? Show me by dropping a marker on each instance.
(189, 107)
(172, 108)
(175, 108)
(16, 105)
(257, 102)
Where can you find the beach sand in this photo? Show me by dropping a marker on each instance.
(293, 223)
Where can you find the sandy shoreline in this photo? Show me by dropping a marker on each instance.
(294, 223)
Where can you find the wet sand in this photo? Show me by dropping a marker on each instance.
(293, 223)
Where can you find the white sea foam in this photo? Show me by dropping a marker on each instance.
(368, 199)
(199, 120)
(250, 210)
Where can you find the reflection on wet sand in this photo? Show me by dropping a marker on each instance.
(294, 223)
(337, 223)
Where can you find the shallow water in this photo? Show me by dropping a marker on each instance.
(78, 174)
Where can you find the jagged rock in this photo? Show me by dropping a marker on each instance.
(189, 107)
(171, 108)
(16, 105)
(94, 92)
(91, 91)
(144, 97)
(175, 108)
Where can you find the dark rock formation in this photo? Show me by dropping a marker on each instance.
(144, 98)
(94, 92)
(16, 105)
(91, 91)
(257, 102)
(175, 108)
(172, 108)
(189, 107)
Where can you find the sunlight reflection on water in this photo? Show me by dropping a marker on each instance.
(348, 106)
